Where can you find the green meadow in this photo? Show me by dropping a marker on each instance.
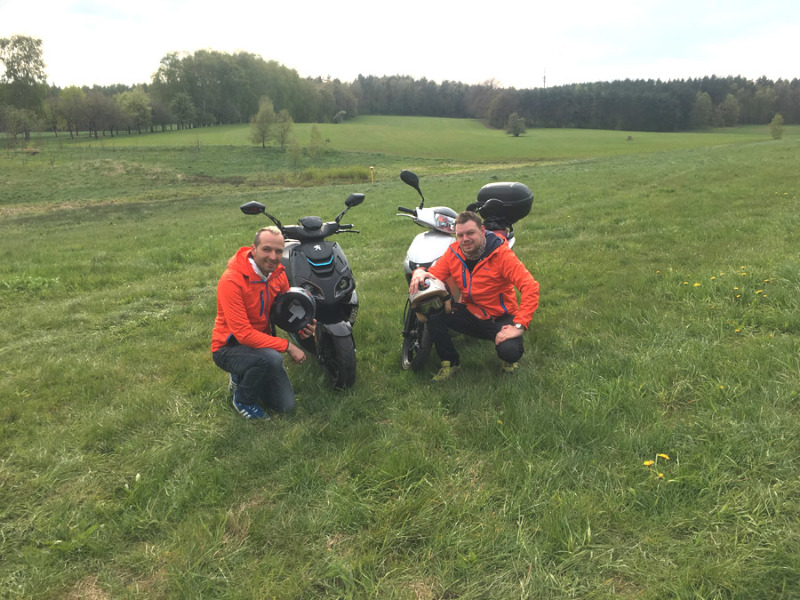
(647, 447)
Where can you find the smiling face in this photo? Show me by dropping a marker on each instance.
(471, 238)
(267, 251)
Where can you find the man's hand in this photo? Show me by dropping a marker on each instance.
(296, 354)
(308, 330)
(508, 332)
(417, 277)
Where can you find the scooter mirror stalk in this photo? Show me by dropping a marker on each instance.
(255, 208)
(352, 200)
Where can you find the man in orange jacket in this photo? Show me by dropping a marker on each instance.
(242, 342)
(486, 271)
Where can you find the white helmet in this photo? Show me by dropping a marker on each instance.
(432, 296)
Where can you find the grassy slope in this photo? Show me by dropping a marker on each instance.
(669, 324)
(451, 139)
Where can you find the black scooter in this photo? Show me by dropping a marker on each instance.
(320, 267)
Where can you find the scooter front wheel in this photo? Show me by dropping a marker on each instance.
(417, 342)
(338, 357)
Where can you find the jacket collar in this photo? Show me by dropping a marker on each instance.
(240, 262)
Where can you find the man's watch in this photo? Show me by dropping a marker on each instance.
(518, 326)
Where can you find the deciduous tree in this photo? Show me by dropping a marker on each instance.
(776, 126)
(72, 106)
(23, 83)
(15, 121)
(702, 111)
(135, 105)
(182, 110)
(102, 113)
(729, 111)
(283, 128)
(262, 122)
(515, 125)
(315, 143)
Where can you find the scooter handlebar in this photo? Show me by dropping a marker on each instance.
(410, 211)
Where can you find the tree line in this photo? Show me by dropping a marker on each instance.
(209, 88)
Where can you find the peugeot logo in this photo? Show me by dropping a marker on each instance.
(317, 247)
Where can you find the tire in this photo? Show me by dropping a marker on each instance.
(417, 342)
(338, 358)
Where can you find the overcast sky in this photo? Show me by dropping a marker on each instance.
(518, 43)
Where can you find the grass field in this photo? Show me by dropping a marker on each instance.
(668, 331)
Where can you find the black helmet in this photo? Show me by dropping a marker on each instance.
(293, 310)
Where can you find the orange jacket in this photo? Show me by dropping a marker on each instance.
(488, 290)
(243, 303)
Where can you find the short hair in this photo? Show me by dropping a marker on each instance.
(467, 216)
(272, 229)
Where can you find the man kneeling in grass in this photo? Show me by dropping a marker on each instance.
(242, 342)
(486, 271)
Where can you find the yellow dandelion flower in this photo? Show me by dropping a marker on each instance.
(685, 283)
(499, 422)
(735, 288)
(738, 295)
(743, 267)
(744, 274)
(664, 456)
(649, 463)
(661, 476)
(759, 291)
(697, 284)
(713, 277)
(736, 331)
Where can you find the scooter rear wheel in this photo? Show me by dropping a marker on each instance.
(338, 357)
(417, 342)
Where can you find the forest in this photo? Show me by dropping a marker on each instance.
(208, 87)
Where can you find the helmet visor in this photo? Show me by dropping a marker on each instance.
(430, 306)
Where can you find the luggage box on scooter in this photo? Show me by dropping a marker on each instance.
(517, 198)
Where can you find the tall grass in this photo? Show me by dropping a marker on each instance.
(668, 326)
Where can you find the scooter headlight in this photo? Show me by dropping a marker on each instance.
(312, 289)
(445, 223)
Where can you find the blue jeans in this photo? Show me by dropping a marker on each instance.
(262, 376)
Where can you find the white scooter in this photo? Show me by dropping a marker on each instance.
(500, 205)
(426, 247)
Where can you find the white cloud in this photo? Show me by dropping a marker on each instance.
(513, 41)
